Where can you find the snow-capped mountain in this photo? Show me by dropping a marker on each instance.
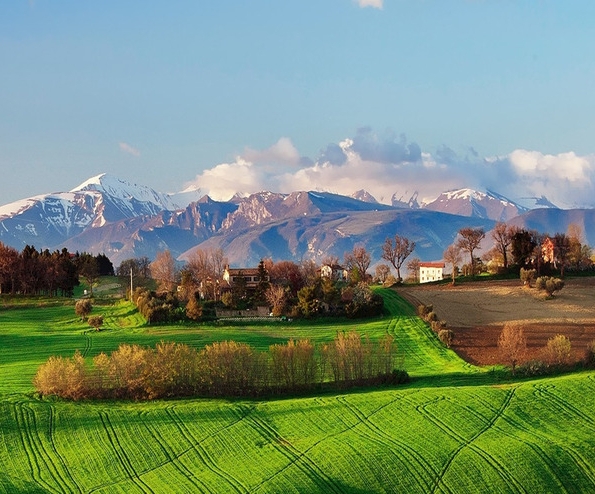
(122, 220)
(49, 220)
(472, 203)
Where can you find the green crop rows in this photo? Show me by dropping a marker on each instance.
(454, 428)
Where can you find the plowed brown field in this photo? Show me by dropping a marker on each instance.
(477, 311)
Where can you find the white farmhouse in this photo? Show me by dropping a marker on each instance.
(430, 271)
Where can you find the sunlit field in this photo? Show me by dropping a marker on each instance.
(453, 428)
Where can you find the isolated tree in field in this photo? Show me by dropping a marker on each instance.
(397, 251)
(358, 259)
(382, 272)
(502, 235)
(413, 268)
(163, 270)
(83, 308)
(512, 344)
(558, 350)
(469, 241)
(95, 322)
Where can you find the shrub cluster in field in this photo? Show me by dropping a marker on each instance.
(224, 368)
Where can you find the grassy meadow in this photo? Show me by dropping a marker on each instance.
(454, 428)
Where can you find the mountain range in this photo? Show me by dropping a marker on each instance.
(122, 220)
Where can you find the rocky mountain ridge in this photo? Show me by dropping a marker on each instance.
(122, 220)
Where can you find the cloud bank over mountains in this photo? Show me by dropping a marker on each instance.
(388, 165)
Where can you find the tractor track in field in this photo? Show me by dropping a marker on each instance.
(51, 429)
(394, 445)
(174, 458)
(296, 458)
(121, 454)
(37, 453)
(551, 464)
(203, 454)
(544, 391)
(464, 443)
(88, 343)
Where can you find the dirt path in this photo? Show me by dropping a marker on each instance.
(476, 312)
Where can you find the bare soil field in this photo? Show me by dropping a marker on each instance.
(476, 312)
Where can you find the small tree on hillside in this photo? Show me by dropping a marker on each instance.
(83, 308)
(512, 344)
(95, 322)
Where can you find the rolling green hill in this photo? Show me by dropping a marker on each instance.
(454, 428)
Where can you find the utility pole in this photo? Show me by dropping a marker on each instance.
(131, 283)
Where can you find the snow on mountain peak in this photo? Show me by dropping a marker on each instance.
(125, 191)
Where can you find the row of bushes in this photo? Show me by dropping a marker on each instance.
(222, 369)
(426, 312)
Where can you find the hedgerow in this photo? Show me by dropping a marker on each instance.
(222, 369)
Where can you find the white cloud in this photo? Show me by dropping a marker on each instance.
(282, 152)
(388, 166)
(566, 179)
(223, 181)
(376, 4)
(128, 149)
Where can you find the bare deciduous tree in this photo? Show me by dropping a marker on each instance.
(396, 252)
(452, 256)
(163, 270)
(382, 272)
(413, 268)
(502, 235)
(359, 258)
(469, 240)
(276, 296)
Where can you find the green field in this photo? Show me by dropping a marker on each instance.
(454, 428)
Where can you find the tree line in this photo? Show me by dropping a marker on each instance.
(222, 369)
(516, 248)
(33, 272)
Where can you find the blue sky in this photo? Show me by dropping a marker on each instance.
(211, 94)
